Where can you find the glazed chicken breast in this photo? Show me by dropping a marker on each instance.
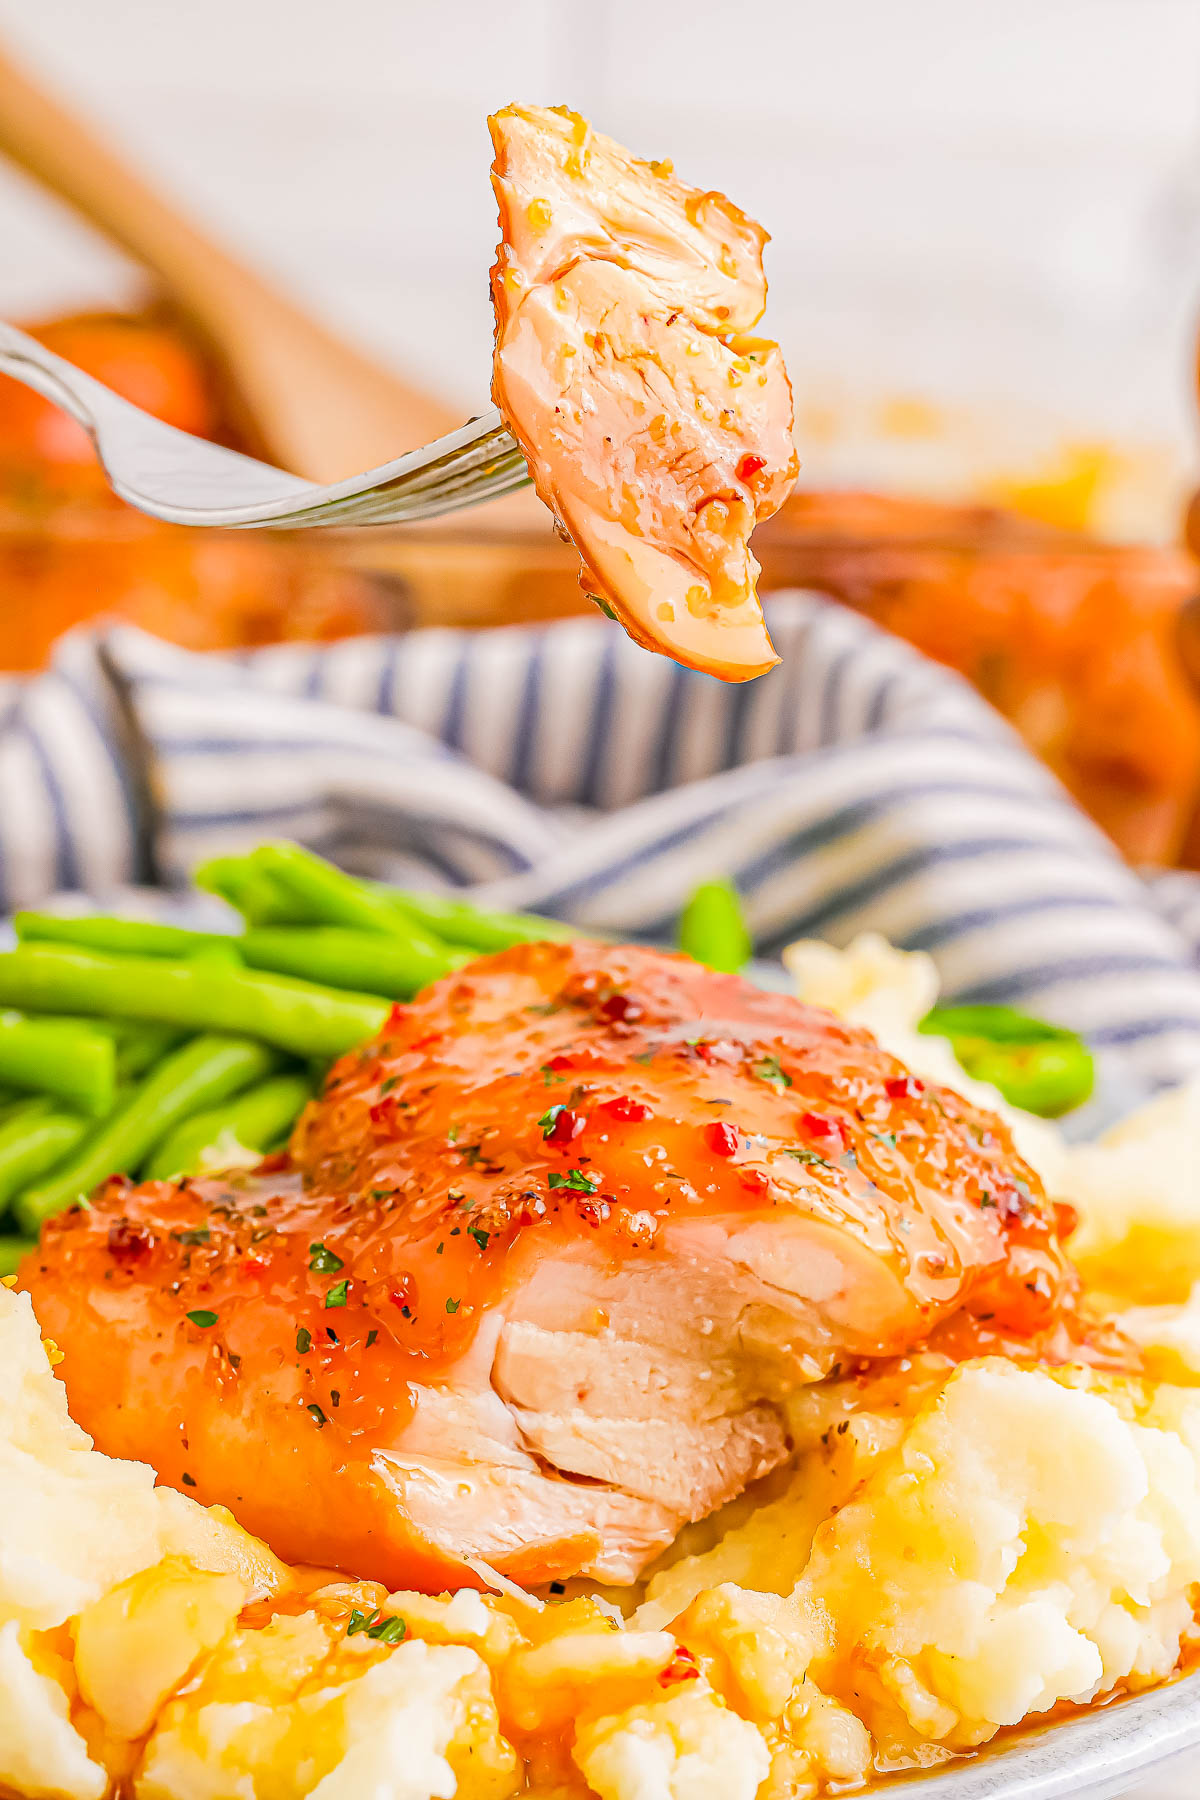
(656, 428)
(544, 1263)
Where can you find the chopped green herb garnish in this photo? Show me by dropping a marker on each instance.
(441, 1247)
(200, 1235)
(767, 1068)
(337, 1293)
(547, 1119)
(388, 1083)
(387, 1631)
(885, 1137)
(371, 1337)
(383, 1627)
(809, 1156)
(575, 1178)
(317, 1414)
(303, 1341)
(203, 1319)
(481, 1237)
(323, 1261)
(452, 1306)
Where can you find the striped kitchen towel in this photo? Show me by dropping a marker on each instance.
(561, 768)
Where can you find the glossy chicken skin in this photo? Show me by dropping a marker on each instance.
(550, 1254)
(656, 428)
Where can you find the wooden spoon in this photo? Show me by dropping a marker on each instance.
(320, 407)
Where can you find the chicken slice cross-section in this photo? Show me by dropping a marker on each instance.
(656, 427)
(547, 1259)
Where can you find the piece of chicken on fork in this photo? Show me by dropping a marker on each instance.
(656, 428)
(548, 1259)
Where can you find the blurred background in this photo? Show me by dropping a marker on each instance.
(985, 273)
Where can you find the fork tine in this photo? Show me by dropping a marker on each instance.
(481, 469)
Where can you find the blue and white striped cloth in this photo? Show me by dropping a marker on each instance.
(561, 768)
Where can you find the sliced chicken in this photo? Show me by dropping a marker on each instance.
(546, 1260)
(657, 430)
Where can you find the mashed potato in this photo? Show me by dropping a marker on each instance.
(952, 1550)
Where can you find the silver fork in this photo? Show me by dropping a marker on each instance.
(188, 481)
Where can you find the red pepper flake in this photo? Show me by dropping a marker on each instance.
(383, 1113)
(255, 1266)
(619, 1009)
(682, 1667)
(750, 466)
(275, 1163)
(565, 1127)
(394, 1021)
(630, 1112)
(401, 1297)
(754, 1180)
(821, 1125)
(722, 1139)
(903, 1087)
(129, 1243)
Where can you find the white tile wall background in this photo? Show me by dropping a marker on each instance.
(990, 203)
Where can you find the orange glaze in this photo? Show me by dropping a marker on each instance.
(553, 1094)
(684, 1094)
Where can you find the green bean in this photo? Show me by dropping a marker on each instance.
(254, 1120)
(249, 890)
(141, 1044)
(205, 1071)
(296, 1015)
(712, 929)
(33, 1141)
(1039, 1067)
(319, 893)
(13, 1251)
(223, 952)
(398, 967)
(62, 1057)
(328, 895)
(460, 923)
(121, 937)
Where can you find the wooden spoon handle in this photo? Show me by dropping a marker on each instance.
(321, 406)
